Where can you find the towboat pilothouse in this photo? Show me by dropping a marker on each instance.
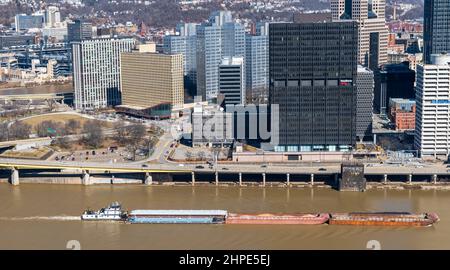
(111, 212)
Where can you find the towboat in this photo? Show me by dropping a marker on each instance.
(111, 212)
(384, 219)
(270, 219)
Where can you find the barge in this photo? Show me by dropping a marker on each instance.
(270, 219)
(384, 219)
(177, 216)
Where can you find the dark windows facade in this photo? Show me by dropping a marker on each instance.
(436, 27)
(313, 69)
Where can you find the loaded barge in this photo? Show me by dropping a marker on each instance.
(294, 219)
(384, 219)
(114, 212)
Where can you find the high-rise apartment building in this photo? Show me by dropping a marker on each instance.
(79, 30)
(152, 82)
(373, 32)
(257, 64)
(432, 134)
(436, 28)
(96, 71)
(364, 102)
(314, 84)
(232, 80)
(219, 37)
(52, 16)
(185, 42)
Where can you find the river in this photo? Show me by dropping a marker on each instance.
(47, 217)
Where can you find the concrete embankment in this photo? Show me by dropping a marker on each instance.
(279, 184)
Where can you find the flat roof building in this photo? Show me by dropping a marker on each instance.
(432, 134)
(314, 84)
(232, 80)
(151, 80)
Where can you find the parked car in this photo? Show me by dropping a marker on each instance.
(199, 167)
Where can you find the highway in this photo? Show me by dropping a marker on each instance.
(319, 168)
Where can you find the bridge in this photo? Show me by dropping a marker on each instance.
(311, 173)
(32, 97)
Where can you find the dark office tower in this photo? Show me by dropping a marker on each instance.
(313, 67)
(364, 103)
(373, 63)
(436, 28)
(393, 81)
(79, 30)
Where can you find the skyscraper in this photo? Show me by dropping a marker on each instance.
(364, 102)
(219, 37)
(436, 28)
(185, 42)
(79, 30)
(314, 84)
(432, 135)
(257, 64)
(232, 80)
(52, 16)
(96, 71)
(373, 32)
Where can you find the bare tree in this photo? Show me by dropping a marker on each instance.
(188, 155)
(93, 133)
(136, 136)
(62, 142)
(201, 155)
(148, 144)
(120, 133)
(4, 134)
(19, 130)
(72, 126)
(49, 128)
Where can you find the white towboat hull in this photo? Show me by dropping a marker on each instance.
(100, 217)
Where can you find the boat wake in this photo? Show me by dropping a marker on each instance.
(35, 218)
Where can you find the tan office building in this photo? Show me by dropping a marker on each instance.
(373, 32)
(151, 82)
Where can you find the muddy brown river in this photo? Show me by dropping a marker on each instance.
(34, 216)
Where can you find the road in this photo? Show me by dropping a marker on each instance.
(222, 168)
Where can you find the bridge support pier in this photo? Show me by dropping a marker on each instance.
(217, 178)
(193, 178)
(240, 179)
(385, 178)
(434, 178)
(409, 179)
(14, 177)
(287, 180)
(264, 179)
(312, 179)
(148, 179)
(86, 180)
